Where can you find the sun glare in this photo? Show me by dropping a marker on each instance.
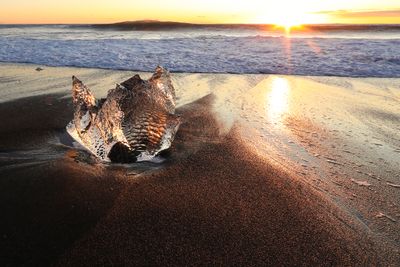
(289, 22)
(288, 15)
(287, 26)
(278, 99)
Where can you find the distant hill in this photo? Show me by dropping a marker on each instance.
(155, 25)
(147, 25)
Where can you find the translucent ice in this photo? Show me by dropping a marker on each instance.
(133, 123)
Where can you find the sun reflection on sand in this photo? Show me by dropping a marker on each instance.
(278, 99)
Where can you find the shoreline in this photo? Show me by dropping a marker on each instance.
(5, 63)
(271, 169)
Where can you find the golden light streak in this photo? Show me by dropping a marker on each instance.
(278, 99)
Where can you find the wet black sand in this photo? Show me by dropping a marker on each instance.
(213, 201)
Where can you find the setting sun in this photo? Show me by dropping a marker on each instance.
(288, 26)
(287, 15)
(289, 22)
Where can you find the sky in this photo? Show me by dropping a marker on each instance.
(201, 11)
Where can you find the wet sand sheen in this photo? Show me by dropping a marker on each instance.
(227, 193)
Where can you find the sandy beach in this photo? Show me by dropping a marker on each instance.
(265, 170)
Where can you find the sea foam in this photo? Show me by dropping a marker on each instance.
(216, 52)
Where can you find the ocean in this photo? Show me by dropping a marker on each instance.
(335, 50)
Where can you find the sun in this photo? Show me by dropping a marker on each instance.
(288, 15)
(289, 19)
(288, 25)
(285, 20)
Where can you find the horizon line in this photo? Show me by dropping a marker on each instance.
(150, 21)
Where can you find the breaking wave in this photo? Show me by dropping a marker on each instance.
(222, 51)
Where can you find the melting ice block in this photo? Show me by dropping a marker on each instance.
(133, 123)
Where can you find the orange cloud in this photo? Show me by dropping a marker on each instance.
(363, 16)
